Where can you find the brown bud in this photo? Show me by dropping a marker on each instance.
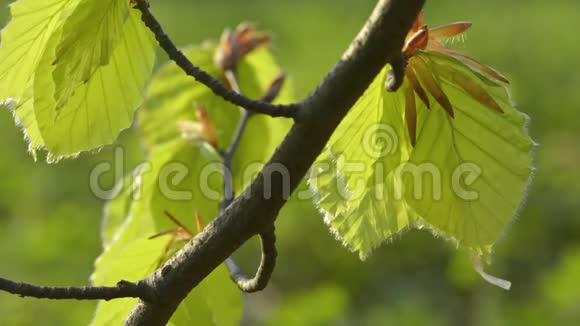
(235, 45)
(202, 129)
(208, 130)
(274, 89)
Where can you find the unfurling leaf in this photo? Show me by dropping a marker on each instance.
(237, 44)
(412, 79)
(463, 80)
(460, 167)
(171, 94)
(132, 254)
(449, 30)
(203, 129)
(430, 82)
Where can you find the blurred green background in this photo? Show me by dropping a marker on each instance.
(49, 221)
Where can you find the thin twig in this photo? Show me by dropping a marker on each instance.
(123, 289)
(268, 237)
(227, 157)
(232, 78)
(267, 264)
(269, 96)
(256, 106)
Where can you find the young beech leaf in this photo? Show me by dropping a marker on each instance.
(255, 73)
(118, 208)
(354, 179)
(102, 90)
(173, 96)
(168, 182)
(99, 109)
(131, 261)
(459, 150)
(25, 118)
(22, 44)
(481, 159)
(89, 36)
(215, 301)
(471, 165)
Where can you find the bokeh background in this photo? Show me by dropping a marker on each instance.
(49, 221)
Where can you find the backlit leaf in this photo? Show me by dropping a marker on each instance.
(170, 181)
(476, 167)
(263, 133)
(100, 108)
(89, 37)
(171, 99)
(464, 179)
(24, 40)
(354, 180)
(22, 45)
(132, 261)
(49, 49)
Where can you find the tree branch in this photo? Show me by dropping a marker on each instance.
(123, 289)
(379, 43)
(203, 77)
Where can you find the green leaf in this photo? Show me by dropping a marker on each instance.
(117, 209)
(46, 45)
(354, 179)
(481, 160)
(169, 181)
(25, 118)
(89, 37)
(263, 133)
(22, 44)
(465, 179)
(24, 40)
(215, 301)
(132, 261)
(172, 94)
(172, 180)
(100, 108)
(185, 183)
